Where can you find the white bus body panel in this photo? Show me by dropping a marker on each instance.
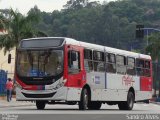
(143, 95)
(115, 89)
(118, 81)
(63, 93)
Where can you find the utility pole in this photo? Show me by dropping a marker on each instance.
(158, 74)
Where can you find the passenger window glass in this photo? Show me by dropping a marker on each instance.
(73, 62)
(146, 70)
(139, 67)
(98, 61)
(87, 54)
(98, 56)
(88, 63)
(131, 66)
(99, 66)
(143, 67)
(110, 63)
(120, 64)
(147, 64)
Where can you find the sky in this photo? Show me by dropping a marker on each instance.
(24, 6)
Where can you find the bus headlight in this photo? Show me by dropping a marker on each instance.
(61, 83)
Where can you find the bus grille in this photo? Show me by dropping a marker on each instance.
(39, 95)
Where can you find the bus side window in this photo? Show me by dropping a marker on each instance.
(121, 64)
(139, 66)
(146, 69)
(110, 63)
(131, 66)
(73, 62)
(88, 63)
(98, 58)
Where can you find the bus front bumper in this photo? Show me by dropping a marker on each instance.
(63, 93)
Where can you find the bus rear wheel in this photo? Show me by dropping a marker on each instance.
(40, 105)
(83, 104)
(127, 105)
(94, 105)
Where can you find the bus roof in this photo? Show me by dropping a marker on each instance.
(107, 49)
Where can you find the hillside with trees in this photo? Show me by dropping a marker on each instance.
(112, 24)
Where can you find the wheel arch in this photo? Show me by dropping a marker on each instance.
(86, 86)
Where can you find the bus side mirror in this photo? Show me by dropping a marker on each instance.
(9, 58)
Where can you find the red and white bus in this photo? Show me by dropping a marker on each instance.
(52, 70)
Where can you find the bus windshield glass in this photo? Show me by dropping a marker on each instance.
(42, 63)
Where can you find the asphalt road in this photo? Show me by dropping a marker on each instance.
(71, 112)
(73, 109)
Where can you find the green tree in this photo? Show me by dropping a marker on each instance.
(2, 20)
(76, 4)
(111, 24)
(154, 46)
(154, 49)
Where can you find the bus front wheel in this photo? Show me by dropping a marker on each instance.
(40, 105)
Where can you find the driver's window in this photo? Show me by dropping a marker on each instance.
(73, 62)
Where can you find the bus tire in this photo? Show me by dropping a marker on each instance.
(127, 105)
(94, 105)
(83, 104)
(40, 105)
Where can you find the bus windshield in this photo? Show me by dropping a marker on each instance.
(39, 63)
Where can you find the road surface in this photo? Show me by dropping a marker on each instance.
(71, 112)
(139, 108)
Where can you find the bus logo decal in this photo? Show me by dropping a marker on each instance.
(127, 80)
